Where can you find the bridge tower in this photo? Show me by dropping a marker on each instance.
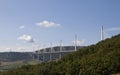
(75, 42)
(102, 33)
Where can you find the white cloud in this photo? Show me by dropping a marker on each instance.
(47, 24)
(23, 49)
(26, 38)
(22, 27)
(8, 49)
(107, 32)
(113, 29)
(20, 48)
(79, 42)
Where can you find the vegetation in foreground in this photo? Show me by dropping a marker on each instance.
(100, 59)
(5, 66)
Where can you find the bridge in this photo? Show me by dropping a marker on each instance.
(54, 53)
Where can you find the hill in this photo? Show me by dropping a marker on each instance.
(100, 59)
(15, 56)
(10, 60)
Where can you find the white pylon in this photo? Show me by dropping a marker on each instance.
(75, 42)
(51, 52)
(60, 48)
(102, 33)
(60, 45)
(44, 54)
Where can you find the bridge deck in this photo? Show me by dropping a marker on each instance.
(56, 52)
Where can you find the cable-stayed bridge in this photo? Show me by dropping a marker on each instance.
(54, 53)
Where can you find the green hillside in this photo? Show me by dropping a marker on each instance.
(100, 59)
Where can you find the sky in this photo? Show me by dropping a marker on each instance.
(28, 25)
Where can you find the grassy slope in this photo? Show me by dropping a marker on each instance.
(5, 66)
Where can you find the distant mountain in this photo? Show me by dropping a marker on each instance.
(15, 56)
(100, 59)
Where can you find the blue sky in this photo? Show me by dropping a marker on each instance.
(26, 25)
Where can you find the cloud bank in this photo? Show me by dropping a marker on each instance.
(113, 29)
(22, 27)
(79, 42)
(26, 38)
(47, 24)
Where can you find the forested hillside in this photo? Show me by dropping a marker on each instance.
(100, 59)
